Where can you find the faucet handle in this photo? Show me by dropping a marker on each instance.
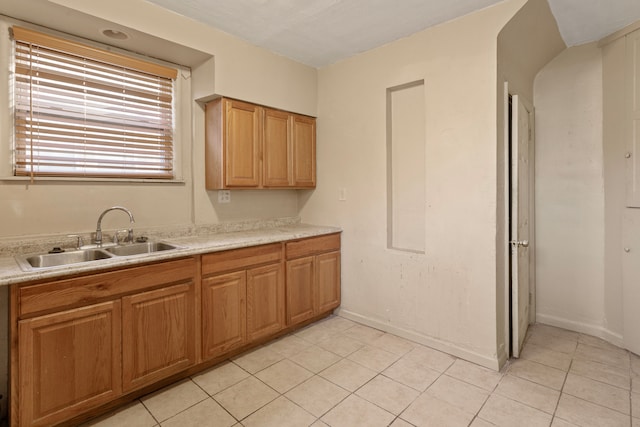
(79, 241)
(116, 239)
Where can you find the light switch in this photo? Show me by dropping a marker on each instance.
(342, 194)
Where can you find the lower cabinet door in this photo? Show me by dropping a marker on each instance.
(328, 281)
(265, 301)
(69, 363)
(223, 313)
(158, 334)
(300, 290)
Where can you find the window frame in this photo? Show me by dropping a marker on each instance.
(181, 111)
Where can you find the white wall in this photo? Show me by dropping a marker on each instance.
(570, 192)
(446, 297)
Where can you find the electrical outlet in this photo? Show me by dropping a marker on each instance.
(224, 196)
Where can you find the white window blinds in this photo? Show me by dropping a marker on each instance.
(87, 112)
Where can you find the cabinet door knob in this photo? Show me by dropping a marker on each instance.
(627, 250)
(627, 155)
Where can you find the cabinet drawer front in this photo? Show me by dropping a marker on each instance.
(94, 287)
(236, 259)
(314, 245)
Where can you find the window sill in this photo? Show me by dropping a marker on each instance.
(53, 179)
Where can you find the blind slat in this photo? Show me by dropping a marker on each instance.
(79, 84)
(78, 116)
(115, 136)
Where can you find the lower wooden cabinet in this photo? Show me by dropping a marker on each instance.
(242, 298)
(313, 277)
(300, 290)
(327, 281)
(72, 359)
(223, 313)
(265, 301)
(81, 342)
(69, 363)
(158, 335)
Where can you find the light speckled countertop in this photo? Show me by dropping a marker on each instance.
(11, 273)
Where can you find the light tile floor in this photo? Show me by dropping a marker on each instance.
(339, 373)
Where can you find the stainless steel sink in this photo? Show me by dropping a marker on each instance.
(62, 258)
(140, 248)
(50, 260)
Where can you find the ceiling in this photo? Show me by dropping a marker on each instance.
(321, 32)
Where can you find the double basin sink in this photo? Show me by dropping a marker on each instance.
(48, 260)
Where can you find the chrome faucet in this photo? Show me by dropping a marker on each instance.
(98, 240)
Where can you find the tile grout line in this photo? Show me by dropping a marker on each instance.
(213, 398)
(477, 414)
(150, 413)
(566, 375)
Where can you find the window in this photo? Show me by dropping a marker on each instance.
(81, 111)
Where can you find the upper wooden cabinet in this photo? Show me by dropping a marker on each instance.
(277, 167)
(233, 139)
(251, 146)
(304, 151)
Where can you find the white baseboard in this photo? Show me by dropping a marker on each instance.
(584, 328)
(437, 344)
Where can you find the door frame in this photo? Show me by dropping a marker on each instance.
(508, 92)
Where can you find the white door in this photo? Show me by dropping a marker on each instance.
(520, 222)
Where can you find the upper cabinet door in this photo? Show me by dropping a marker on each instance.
(304, 151)
(633, 119)
(251, 146)
(277, 164)
(243, 140)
